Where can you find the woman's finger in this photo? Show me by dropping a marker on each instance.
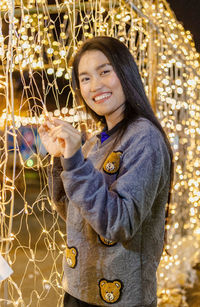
(71, 139)
(65, 124)
(49, 124)
(65, 131)
(41, 129)
(58, 133)
(54, 130)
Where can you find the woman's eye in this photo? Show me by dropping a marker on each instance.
(104, 72)
(84, 79)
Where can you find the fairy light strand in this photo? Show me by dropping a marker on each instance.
(42, 43)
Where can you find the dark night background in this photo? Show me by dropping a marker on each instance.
(188, 13)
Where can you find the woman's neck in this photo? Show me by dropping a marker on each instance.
(113, 119)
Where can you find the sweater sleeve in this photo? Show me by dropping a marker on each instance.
(116, 212)
(56, 189)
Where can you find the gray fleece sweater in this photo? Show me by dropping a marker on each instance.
(113, 201)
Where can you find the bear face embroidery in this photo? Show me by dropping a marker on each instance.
(112, 163)
(110, 167)
(106, 241)
(110, 291)
(71, 255)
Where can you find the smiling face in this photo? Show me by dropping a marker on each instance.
(100, 87)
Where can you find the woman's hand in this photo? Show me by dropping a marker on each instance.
(68, 138)
(51, 145)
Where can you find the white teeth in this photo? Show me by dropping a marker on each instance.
(102, 96)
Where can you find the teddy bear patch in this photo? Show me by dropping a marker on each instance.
(110, 291)
(112, 163)
(106, 241)
(71, 256)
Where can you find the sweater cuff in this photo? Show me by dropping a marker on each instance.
(73, 162)
(54, 168)
(57, 162)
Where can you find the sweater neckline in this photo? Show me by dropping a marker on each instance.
(105, 133)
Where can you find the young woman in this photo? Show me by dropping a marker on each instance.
(112, 191)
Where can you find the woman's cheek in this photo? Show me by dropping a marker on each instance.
(84, 92)
(114, 82)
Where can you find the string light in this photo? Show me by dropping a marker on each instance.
(169, 66)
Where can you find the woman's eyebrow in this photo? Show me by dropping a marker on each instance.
(97, 68)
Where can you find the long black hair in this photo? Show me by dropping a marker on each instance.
(137, 104)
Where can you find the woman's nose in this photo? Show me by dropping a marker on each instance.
(95, 84)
